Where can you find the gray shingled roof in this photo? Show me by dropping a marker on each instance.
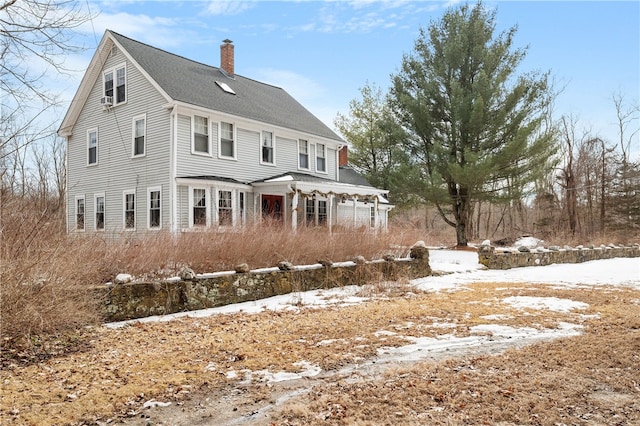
(195, 83)
(348, 175)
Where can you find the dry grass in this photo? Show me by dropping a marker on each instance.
(46, 275)
(592, 375)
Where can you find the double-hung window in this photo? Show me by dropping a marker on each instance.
(227, 141)
(267, 148)
(199, 207)
(322, 212)
(139, 135)
(201, 141)
(80, 213)
(155, 219)
(115, 84)
(99, 208)
(303, 154)
(225, 210)
(92, 146)
(321, 158)
(129, 198)
(310, 211)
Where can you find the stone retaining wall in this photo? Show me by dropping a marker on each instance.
(137, 300)
(507, 259)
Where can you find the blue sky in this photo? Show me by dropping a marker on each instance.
(322, 53)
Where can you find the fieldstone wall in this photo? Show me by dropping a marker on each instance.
(507, 259)
(191, 292)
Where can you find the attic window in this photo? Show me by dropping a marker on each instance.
(224, 86)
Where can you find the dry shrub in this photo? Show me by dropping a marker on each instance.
(43, 278)
(260, 245)
(47, 275)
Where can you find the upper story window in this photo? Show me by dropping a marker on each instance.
(227, 141)
(267, 155)
(321, 158)
(139, 135)
(303, 154)
(115, 84)
(92, 146)
(201, 141)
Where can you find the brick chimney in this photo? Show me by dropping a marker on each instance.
(343, 156)
(226, 57)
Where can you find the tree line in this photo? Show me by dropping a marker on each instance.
(462, 132)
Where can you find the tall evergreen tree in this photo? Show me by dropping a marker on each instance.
(477, 129)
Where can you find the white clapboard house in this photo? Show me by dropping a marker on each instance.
(156, 141)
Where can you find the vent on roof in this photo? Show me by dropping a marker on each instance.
(224, 86)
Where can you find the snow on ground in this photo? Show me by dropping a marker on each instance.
(457, 269)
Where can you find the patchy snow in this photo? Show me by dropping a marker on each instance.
(456, 269)
(550, 303)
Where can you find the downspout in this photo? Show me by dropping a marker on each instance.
(294, 209)
(173, 186)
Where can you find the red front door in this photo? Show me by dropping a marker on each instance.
(272, 207)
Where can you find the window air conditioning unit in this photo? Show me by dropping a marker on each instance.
(106, 101)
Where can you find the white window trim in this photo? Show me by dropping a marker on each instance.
(193, 136)
(149, 191)
(326, 168)
(114, 70)
(273, 148)
(207, 200)
(308, 154)
(235, 141)
(95, 212)
(75, 216)
(133, 136)
(95, 129)
(124, 210)
(216, 196)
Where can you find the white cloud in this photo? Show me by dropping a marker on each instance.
(223, 7)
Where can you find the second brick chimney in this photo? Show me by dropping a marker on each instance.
(226, 57)
(343, 156)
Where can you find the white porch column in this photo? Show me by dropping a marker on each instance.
(294, 211)
(376, 218)
(330, 214)
(355, 211)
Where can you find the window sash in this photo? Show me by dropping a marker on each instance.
(310, 211)
(225, 209)
(226, 140)
(322, 212)
(201, 134)
(93, 148)
(267, 147)
(321, 163)
(80, 214)
(154, 209)
(100, 212)
(120, 85)
(199, 207)
(303, 154)
(108, 83)
(139, 137)
(130, 211)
